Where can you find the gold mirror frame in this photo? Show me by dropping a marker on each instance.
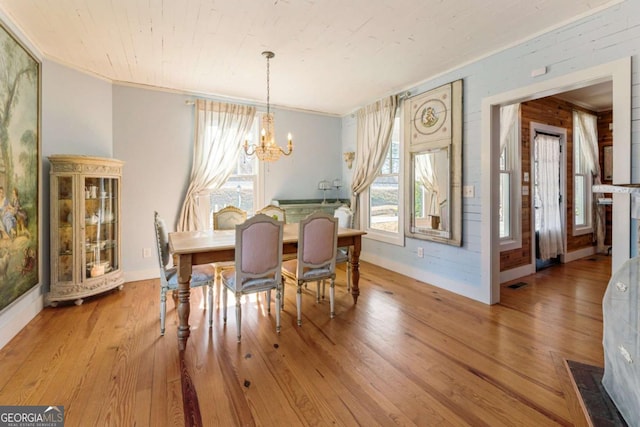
(433, 124)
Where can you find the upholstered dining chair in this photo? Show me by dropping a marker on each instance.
(275, 212)
(345, 220)
(258, 263)
(226, 219)
(316, 260)
(201, 275)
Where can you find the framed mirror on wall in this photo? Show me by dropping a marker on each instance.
(433, 180)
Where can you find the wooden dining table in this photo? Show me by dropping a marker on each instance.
(191, 248)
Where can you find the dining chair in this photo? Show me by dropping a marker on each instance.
(258, 263)
(226, 219)
(345, 220)
(316, 260)
(275, 212)
(201, 275)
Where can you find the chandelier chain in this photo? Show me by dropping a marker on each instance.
(268, 85)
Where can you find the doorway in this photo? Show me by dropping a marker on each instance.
(619, 74)
(549, 184)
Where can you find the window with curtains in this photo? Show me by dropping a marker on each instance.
(382, 206)
(582, 181)
(241, 189)
(510, 188)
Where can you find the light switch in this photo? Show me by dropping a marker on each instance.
(525, 190)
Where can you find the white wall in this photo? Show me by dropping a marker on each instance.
(600, 38)
(153, 135)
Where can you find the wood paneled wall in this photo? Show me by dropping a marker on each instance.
(559, 113)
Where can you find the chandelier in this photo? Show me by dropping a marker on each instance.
(267, 150)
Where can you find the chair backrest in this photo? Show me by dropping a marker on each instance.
(275, 212)
(317, 243)
(258, 249)
(228, 217)
(345, 216)
(162, 245)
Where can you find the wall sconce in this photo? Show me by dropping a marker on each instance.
(348, 157)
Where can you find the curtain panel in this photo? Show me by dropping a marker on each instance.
(375, 123)
(588, 128)
(219, 131)
(547, 155)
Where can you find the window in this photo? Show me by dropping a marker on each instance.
(510, 199)
(382, 201)
(582, 181)
(242, 187)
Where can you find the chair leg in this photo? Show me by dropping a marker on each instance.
(299, 304)
(210, 303)
(318, 291)
(238, 316)
(332, 294)
(174, 295)
(348, 276)
(163, 309)
(224, 303)
(278, 306)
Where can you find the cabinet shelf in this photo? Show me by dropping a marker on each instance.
(80, 269)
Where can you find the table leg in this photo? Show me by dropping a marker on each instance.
(355, 269)
(184, 306)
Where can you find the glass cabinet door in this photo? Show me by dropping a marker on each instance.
(101, 226)
(64, 243)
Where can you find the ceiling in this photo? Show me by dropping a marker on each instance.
(332, 56)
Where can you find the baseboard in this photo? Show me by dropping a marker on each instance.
(580, 253)
(516, 273)
(19, 313)
(473, 292)
(134, 276)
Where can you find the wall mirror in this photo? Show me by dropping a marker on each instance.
(431, 192)
(433, 129)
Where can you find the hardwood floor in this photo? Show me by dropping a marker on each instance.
(407, 354)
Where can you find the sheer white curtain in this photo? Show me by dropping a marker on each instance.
(547, 156)
(375, 123)
(426, 175)
(220, 129)
(588, 127)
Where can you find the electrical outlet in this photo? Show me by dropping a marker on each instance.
(468, 191)
(146, 253)
(420, 252)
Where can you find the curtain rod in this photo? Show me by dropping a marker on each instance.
(538, 132)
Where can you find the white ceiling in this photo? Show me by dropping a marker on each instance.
(332, 56)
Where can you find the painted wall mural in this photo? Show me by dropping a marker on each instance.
(19, 168)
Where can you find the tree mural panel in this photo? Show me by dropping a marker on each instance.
(19, 168)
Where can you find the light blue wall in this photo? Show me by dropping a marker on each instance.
(607, 36)
(76, 119)
(153, 135)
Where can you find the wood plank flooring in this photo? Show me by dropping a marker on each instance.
(407, 354)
